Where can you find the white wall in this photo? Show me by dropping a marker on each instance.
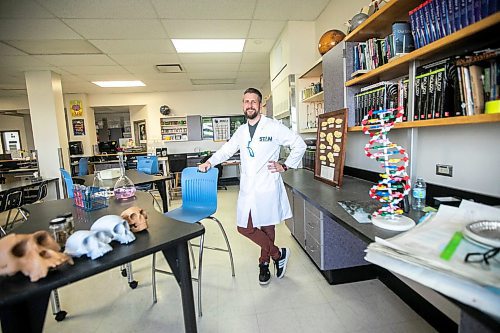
(336, 14)
(8, 123)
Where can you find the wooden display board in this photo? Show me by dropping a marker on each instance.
(330, 147)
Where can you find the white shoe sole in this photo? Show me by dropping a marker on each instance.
(286, 262)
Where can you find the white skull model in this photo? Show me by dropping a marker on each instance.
(94, 244)
(136, 217)
(32, 254)
(116, 227)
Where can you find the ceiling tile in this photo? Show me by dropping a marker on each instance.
(259, 45)
(112, 76)
(117, 29)
(77, 59)
(105, 9)
(145, 59)
(295, 10)
(82, 70)
(133, 46)
(22, 9)
(22, 61)
(9, 50)
(211, 75)
(255, 68)
(15, 29)
(266, 29)
(212, 58)
(206, 28)
(202, 9)
(192, 68)
(54, 46)
(255, 58)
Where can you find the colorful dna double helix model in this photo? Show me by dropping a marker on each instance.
(395, 182)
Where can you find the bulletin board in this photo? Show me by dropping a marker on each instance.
(330, 147)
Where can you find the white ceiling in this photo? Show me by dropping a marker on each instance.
(88, 40)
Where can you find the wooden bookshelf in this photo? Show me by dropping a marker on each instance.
(308, 130)
(466, 120)
(314, 98)
(315, 71)
(400, 66)
(379, 24)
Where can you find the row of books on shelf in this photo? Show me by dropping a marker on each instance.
(381, 95)
(435, 19)
(376, 52)
(446, 88)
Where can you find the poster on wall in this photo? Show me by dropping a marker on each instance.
(142, 132)
(221, 127)
(207, 128)
(78, 127)
(76, 108)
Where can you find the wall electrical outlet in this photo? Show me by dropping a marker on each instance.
(444, 170)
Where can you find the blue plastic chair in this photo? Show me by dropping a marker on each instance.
(199, 201)
(83, 166)
(68, 181)
(148, 164)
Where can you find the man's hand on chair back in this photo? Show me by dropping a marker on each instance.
(203, 167)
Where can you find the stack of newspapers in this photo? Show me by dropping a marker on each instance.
(433, 254)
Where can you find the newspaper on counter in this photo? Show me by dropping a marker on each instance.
(416, 255)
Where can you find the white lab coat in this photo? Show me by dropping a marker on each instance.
(262, 192)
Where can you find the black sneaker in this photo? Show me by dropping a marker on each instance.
(281, 262)
(264, 275)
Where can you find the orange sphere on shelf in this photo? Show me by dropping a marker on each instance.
(329, 40)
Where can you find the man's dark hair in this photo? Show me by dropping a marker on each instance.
(254, 91)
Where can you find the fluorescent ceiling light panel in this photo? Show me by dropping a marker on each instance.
(208, 45)
(118, 84)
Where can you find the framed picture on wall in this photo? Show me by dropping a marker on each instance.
(78, 127)
(143, 136)
(330, 147)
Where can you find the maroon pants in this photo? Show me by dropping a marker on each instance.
(264, 237)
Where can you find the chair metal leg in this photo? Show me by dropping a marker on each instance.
(2, 232)
(227, 242)
(155, 270)
(6, 226)
(56, 306)
(192, 254)
(200, 258)
(153, 278)
(23, 213)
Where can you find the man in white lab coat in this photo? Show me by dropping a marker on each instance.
(262, 201)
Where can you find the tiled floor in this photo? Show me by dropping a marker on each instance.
(300, 302)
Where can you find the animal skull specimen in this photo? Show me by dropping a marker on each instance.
(32, 254)
(116, 227)
(92, 243)
(136, 217)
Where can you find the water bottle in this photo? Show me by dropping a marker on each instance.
(419, 191)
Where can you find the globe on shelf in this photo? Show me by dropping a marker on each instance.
(329, 40)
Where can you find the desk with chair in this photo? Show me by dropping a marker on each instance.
(23, 304)
(138, 178)
(13, 195)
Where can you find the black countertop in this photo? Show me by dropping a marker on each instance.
(325, 197)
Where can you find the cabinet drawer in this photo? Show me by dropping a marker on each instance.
(313, 228)
(314, 250)
(313, 221)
